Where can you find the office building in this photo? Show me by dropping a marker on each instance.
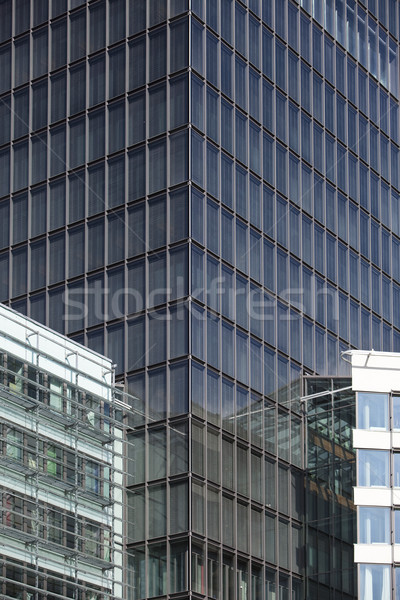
(62, 467)
(216, 183)
(376, 380)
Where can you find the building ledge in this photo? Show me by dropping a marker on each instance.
(17, 534)
(380, 440)
(378, 554)
(370, 496)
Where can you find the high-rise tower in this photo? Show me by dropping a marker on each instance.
(208, 192)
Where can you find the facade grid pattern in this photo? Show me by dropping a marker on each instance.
(62, 456)
(231, 167)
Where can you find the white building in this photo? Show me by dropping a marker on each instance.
(376, 381)
(61, 466)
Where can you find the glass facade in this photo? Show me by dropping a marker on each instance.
(207, 191)
(62, 447)
(330, 515)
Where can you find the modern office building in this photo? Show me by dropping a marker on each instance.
(376, 379)
(62, 448)
(216, 183)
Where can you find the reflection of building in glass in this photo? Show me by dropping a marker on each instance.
(214, 509)
(376, 381)
(330, 520)
(61, 476)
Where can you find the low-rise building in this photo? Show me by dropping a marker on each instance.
(61, 467)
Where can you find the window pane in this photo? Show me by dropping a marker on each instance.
(158, 54)
(39, 105)
(137, 63)
(375, 581)
(157, 166)
(40, 50)
(97, 26)
(20, 219)
(58, 97)
(179, 45)
(374, 525)
(78, 35)
(117, 23)
(179, 101)
(20, 166)
(57, 161)
(59, 44)
(372, 411)
(373, 468)
(97, 80)
(117, 72)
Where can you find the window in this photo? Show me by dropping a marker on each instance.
(158, 55)
(20, 165)
(58, 97)
(14, 445)
(373, 411)
(117, 20)
(137, 63)
(96, 244)
(179, 158)
(78, 35)
(97, 26)
(396, 413)
(59, 44)
(96, 80)
(92, 476)
(38, 265)
(58, 145)
(38, 212)
(57, 258)
(373, 468)
(157, 110)
(375, 581)
(96, 134)
(117, 71)
(116, 181)
(39, 158)
(179, 45)
(22, 60)
(179, 102)
(157, 166)
(373, 525)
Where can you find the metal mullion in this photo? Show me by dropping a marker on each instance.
(47, 258)
(125, 311)
(29, 257)
(87, 83)
(189, 133)
(145, 489)
(146, 102)
(168, 502)
(106, 102)
(9, 252)
(168, 222)
(67, 156)
(167, 120)
(126, 156)
(13, 13)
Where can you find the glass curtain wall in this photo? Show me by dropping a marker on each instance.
(208, 192)
(331, 517)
